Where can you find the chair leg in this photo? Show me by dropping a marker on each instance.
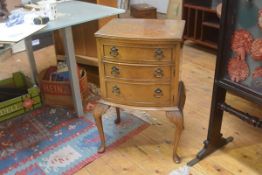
(98, 112)
(118, 119)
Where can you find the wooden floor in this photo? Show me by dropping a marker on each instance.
(149, 153)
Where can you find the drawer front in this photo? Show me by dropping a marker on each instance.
(138, 72)
(144, 13)
(137, 54)
(138, 94)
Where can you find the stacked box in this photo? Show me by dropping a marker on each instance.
(58, 92)
(143, 11)
(25, 102)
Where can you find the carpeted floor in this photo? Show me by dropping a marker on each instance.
(54, 141)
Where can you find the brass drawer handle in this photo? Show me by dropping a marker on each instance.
(159, 54)
(116, 90)
(114, 51)
(159, 73)
(158, 93)
(115, 71)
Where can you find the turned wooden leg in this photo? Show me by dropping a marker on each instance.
(99, 110)
(118, 119)
(176, 117)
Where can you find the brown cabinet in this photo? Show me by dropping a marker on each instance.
(202, 24)
(139, 68)
(83, 34)
(144, 71)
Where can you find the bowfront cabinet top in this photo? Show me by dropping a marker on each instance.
(143, 29)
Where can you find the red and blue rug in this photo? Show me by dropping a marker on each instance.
(54, 141)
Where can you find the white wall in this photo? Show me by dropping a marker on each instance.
(161, 5)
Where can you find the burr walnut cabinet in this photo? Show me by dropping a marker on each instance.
(139, 68)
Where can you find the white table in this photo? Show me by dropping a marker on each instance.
(72, 13)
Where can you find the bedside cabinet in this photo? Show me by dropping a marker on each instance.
(139, 69)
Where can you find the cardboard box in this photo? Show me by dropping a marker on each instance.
(58, 93)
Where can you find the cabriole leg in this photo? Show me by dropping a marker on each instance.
(98, 112)
(118, 119)
(176, 117)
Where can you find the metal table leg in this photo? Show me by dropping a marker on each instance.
(30, 55)
(71, 62)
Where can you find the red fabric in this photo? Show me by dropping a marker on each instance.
(256, 50)
(237, 69)
(241, 43)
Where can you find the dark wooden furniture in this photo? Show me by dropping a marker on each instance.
(143, 11)
(202, 23)
(139, 69)
(247, 85)
(85, 43)
(84, 40)
(3, 10)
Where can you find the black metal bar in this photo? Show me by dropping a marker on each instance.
(240, 90)
(255, 121)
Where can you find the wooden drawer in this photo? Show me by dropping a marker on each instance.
(144, 14)
(143, 11)
(137, 54)
(138, 94)
(138, 72)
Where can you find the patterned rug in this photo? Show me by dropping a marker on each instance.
(54, 141)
